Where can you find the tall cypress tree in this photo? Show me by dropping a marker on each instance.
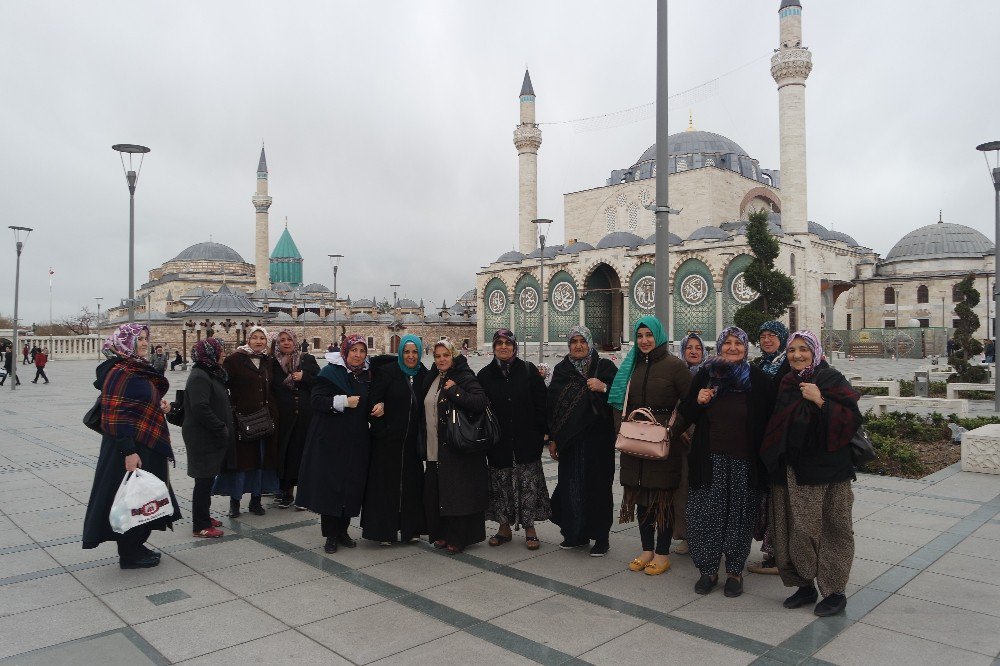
(775, 290)
(966, 346)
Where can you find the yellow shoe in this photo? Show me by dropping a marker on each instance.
(637, 565)
(653, 569)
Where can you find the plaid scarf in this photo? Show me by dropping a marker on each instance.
(130, 406)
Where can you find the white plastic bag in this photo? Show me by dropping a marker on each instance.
(141, 497)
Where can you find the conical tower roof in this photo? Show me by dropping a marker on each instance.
(526, 88)
(262, 164)
(286, 248)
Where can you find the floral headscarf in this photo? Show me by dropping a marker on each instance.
(815, 345)
(583, 364)
(122, 342)
(289, 362)
(345, 349)
(508, 335)
(704, 357)
(247, 349)
(726, 376)
(770, 363)
(206, 354)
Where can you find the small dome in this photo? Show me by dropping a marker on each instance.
(468, 296)
(940, 241)
(385, 318)
(576, 248)
(620, 239)
(433, 318)
(511, 257)
(265, 294)
(314, 288)
(197, 292)
(209, 252)
(550, 251)
(820, 230)
(340, 315)
(457, 309)
(684, 143)
(406, 303)
(672, 238)
(363, 303)
(281, 286)
(709, 233)
(363, 317)
(412, 319)
(284, 316)
(846, 239)
(308, 315)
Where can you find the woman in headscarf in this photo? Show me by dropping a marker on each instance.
(693, 352)
(518, 494)
(546, 373)
(335, 461)
(393, 508)
(251, 465)
(456, 483)
(134, 432)
(292, 375)
(650, 377)
(207, 429)
(807, 452)
(729, 404)
(582, 440)
(771, 339)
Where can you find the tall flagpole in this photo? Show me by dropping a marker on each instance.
(51, 273)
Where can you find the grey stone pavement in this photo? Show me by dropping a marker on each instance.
(922, 589)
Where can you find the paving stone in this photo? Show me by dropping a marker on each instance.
(959, 628)
(112, 578)
(25, 561)
(53, 625)
(877, 529)
(458, 646)
(969, 568)
(419, 572)
(107, 649)
(134, 604)
(957, 592)
(575, 567)
(39, 593)
(486, 595)
(863, 645)
(221, 553)
(287, 647)
(264, 575)
(749, 615)
(638, 646)
(313, 600)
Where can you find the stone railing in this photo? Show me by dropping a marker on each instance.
(64, 347)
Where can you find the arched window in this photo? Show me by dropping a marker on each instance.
(956, 294)
(923, 295)
(890, 296)
(791, 268)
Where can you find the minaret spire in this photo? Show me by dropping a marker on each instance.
(527, 139)
(790, 67)
(261, 203)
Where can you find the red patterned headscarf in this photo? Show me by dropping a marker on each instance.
(122, 342)
(345, 349)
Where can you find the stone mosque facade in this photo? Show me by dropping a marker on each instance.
(603, 274)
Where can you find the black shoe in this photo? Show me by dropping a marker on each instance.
(567, 545)
(804, 595)
(833, 604)
(706, 584)
(284, 501)
(733, 586)
(330, 546)
(600, 548)
(255, 506)
(344, 539)
(144, 562)
(234, 508)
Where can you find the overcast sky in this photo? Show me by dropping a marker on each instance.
(388, 124)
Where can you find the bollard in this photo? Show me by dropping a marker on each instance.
(921, 384)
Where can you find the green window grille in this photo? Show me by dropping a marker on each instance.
(528, 309)
(560, 319)
(494, 320)
(730, 304)
(640, 295)
(698, 315)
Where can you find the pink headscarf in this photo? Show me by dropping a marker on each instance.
(345, 349)
(122, 342)
(814, 344)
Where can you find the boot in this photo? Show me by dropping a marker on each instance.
(256, 508)
(234, 508)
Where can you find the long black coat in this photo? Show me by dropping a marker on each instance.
(294, 414)
(249, 390)
(394, 494)
(335, 460)
(518, 401)
(208, 423)
(463, 478)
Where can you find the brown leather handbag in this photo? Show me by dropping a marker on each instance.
(642, 437)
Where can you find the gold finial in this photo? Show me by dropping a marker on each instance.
(690, 121)
(286, 221)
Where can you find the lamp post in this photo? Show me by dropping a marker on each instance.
(335, 265)
(131, 177)
(395, 297)
(543, 226)
(18, 245)
(985, 148)
(895, 297)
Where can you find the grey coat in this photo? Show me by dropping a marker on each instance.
(208, 423)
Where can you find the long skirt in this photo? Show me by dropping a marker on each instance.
(813, 534)
(458, 531)
(256, 482)
(518, 495)
(721, 517)
(582, 505)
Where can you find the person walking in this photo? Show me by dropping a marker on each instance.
(178, 360)
(456, 483)
(650, 377)
(24, 352)
(251, 464)
(518, 494)
(41, 358)
(393, 507)
(293, 373)
(10, 366)
(207, 429)
(729, 404)
(335, 460)
(582, 440)
(807, 453)
(134, 432)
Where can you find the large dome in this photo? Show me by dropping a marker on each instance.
(209, 252)
(940, 241)
(683, 143)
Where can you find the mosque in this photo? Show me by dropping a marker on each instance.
(602, 275)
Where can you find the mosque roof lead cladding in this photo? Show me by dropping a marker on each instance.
(223, 302)
(940, 241)
(209, 251)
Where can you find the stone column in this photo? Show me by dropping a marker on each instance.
(527, 139)
(718, 312)
(261, 203)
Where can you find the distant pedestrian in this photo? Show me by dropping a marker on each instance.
(24, 352)
(41, 358)
(304, 347)
(35, 349)
(177, 361)
(10, 366)
(990, 351)
(159, 360)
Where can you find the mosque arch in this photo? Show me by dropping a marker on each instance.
(528, 308)
(605, 306)
(564, 305)
(496, 305)
(923, 294)
(694, 300)
(735, 293)
(641, 293)
(763, 194)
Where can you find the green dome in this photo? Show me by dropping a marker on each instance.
(286, 262)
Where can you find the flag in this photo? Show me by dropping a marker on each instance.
(51, 273)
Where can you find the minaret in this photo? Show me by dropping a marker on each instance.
(527, 139)
(261, 202)
(790, 67)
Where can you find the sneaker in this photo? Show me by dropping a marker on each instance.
(284, 501)
(804, 595)
(681, 547)
(209, 533)
(833, 604)
(600, 548)
(706, 584)
(569, 545)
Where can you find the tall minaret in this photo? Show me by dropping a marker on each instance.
(790, 67)
(261, 202)
(527, 139)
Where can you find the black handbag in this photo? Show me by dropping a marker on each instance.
(255, 425)
(92, 419)
(176, 414)
(862, 449)
(472, 433)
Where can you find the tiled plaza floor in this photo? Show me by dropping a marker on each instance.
(922, 588)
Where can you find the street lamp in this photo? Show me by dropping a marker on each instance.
(994, 147)
(335, 264)
(18, 245)
(395, 297)
(895, 297)
(543, 226)
(131, 177)
(98, 299)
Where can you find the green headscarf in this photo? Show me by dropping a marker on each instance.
(409, 337)
(616, 396)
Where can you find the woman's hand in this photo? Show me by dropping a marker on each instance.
(353, 401)
(553, 452)
(811, 393)
(595, 384)
(448, 384)
(297, 375)
(378, 410)
(132, 462)
(705, 395)
(165, 406)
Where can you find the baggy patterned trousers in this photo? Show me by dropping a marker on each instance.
(721, 517)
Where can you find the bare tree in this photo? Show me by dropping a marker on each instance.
(80, 323)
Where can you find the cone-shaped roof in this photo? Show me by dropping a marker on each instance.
(262, 164)
(526, 88)
(286, 248)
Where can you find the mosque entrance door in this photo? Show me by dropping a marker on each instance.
(394, 344)
(604, 309)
